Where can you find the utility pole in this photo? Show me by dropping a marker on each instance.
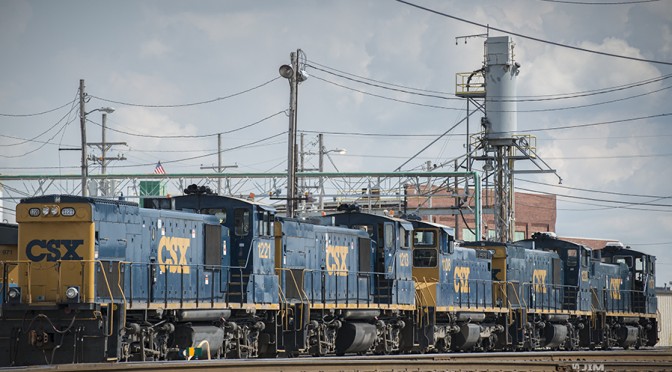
(321, 168)
(105, 146)
(220, 167)
(82, 124)
(294, 76)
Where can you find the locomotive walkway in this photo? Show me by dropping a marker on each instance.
(615, 360)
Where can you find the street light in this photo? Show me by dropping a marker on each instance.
(294, 75)
(323, 152)
(83, 114)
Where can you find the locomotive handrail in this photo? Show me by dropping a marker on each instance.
(109, 290)
(420, 297)
(300, 291)
(424, 280)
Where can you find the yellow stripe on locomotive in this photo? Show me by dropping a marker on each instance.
(56, 252)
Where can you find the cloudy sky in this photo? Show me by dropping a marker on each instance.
(174, 70)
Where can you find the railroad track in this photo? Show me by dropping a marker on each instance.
(641, 360)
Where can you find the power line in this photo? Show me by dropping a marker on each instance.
(405, 89)
(312, 63)
(604, 200)
(37, 113)
(384, 87)
(460, 109)
(370, 134)
(596, 124)
(186, 104)
(192, 136)
(384, 97)
(601, 3)
(606, 157)
(593, 191)
(39, 135)
(206, 155)
(34, 139)
(533, 38)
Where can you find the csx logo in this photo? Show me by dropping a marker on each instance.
(337, 260)
(461, 279)
(615, 288)
(173, 252)
(50, 250)
(539, 280)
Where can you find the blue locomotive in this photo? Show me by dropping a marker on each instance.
(608, 305)
(100, 280)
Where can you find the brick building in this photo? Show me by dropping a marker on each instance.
(534, 212)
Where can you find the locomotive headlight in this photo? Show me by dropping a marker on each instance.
(45, 211)
(54, 211)
(14, 294)
(71, 293)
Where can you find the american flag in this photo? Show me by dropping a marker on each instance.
(159, 169)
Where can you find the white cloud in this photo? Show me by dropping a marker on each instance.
(154, 48)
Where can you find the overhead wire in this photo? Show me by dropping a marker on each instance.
(34, 139)
(593, 191)
(628, 2)
(384, 97)
(441, 95)
(488, 27)
(185, 104)
(44, 143)
(38, 113)
(191, 136)
(369, 134)
(206, 155)
(650, 204)
(462, 109)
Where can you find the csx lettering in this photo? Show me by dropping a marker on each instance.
(539, 280)
(615, 288)
(337, 260)
(35, 250)
(172, 253)
(461, 278)
(264, 249)
(404, 259)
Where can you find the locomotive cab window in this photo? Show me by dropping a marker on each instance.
(242, 221)
(367, 228)
(404, 238)
(389, 235)
(572, 260)
(424, 238)
(424, 257)
(624, 259)
(217, 212)
(584, 260)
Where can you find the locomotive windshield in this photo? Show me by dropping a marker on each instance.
(424, 238)
(424, 257)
